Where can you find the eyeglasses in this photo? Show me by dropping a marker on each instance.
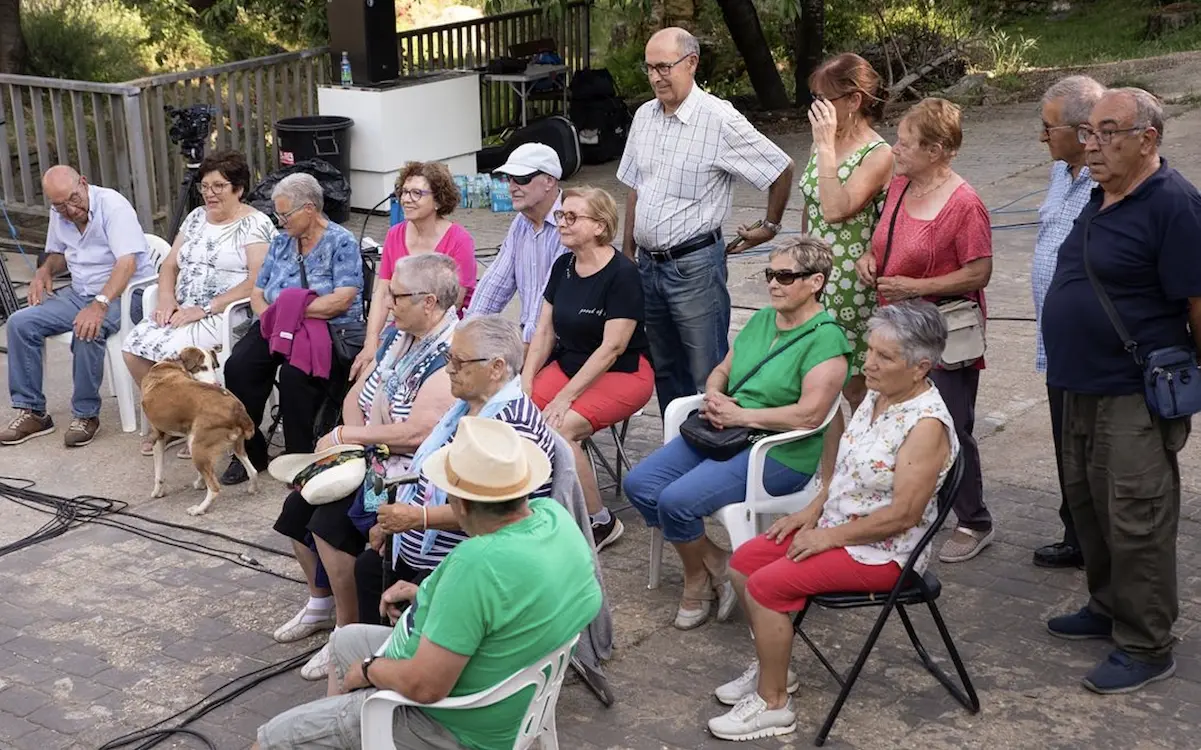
(524, 179)
(282, 219)
(815, 96)
(785, 278)
(396, 296)
(74, 200)
(1048, 128)
(413, 194)
(662, 69)
(213, 188)
(1104, 135)
(568, 218)
(454, 364)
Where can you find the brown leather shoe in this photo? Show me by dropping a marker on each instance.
(81, 432)
(25, 426)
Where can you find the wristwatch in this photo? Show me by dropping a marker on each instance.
(207, 308)
(102, 300)
(365, 665)
(772, 226)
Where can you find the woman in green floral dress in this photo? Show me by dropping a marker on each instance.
(843, 186)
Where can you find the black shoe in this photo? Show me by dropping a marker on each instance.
(235, 473)
(1121, 673)
(1081, 626)
(604, 534)
(595, 680)
(1058, 555)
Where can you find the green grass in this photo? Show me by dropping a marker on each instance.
(1101, 31)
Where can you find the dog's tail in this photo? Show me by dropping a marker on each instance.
(245, 429)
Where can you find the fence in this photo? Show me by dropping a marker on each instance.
(118, 134)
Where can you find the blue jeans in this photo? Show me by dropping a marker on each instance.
(687, 319)
(675, 487)
(27, 332)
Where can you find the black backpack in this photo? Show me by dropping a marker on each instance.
(601, 117)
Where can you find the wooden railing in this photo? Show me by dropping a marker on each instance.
(118, 134)
(471, 44)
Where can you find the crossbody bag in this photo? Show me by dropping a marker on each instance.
(963, 317)
(1171, 376)
(347, 338)
(722, 444)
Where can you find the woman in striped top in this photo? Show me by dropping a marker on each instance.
(396, 402)
(484, 364)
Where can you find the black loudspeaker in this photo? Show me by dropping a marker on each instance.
(366, 29)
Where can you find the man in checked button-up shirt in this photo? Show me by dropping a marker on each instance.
(684, 151)
(1065, 106)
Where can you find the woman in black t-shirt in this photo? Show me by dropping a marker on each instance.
(587, 367)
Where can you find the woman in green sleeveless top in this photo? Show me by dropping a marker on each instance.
(843, 186)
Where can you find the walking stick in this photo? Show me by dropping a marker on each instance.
(392, 485)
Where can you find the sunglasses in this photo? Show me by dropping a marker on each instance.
(524, 179)
(785, 278)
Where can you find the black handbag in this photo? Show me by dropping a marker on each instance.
(1171, 375)
(723, 444)
(347, 338)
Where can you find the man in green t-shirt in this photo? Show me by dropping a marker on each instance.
(490, 609)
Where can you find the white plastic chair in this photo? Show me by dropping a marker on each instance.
(741, 519)
(120, 382)
(538, 724)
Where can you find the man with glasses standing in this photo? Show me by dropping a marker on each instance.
(94, 234)
(523, 263)
(684, 151)
(1137, 237)
(1065, 106)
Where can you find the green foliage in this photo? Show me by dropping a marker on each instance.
(1008, 55)
(90, 40)
(175, 40)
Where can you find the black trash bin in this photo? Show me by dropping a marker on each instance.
(324, 137)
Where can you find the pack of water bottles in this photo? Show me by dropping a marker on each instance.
(484, 191)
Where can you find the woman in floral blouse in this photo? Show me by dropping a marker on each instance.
(866, 521)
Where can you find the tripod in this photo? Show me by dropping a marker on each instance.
(189, 195)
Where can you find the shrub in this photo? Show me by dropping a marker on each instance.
(87, 40)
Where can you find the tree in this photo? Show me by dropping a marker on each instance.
(808, 45)
(12, 40)
(747, 34)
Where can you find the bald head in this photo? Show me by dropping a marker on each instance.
(1141, 105)
(59, 179)
(671, 59)
(678, 40)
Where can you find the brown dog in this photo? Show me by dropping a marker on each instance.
(212, 418)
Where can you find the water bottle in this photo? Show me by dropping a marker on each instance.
(346, 79)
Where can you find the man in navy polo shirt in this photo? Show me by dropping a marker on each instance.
(1121, 476)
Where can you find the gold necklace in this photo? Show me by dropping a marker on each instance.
(927, 191)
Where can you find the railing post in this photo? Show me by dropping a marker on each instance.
(139, 164)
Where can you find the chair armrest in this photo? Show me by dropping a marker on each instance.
(758, 457)
(149, 300)
(227, 326)
(675, 414)
(127, 301)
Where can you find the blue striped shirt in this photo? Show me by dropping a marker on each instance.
(1066, 198)
(522, 267)
(527, 420)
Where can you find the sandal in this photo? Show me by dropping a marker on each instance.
(687, 619)
(185, 453)
(148, 445)
(723, 589)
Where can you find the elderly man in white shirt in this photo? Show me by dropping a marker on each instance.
(684, 150)
(1065, 106)
(94, 233)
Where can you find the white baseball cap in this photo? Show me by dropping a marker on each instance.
(529, 158)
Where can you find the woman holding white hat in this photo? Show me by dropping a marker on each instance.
(395, 403)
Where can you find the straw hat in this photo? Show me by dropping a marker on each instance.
(487, 462)
(325, 476)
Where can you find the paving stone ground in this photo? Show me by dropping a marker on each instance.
(103, 632)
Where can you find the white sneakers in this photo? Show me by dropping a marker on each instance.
(687, 619)
(751, 719)
(297, 629)
(739, 688)
(317, 667)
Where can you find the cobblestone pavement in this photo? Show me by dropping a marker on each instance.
(103, 632)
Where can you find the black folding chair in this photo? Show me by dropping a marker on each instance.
(911, 589)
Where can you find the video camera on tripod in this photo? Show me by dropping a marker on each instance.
(190, 130)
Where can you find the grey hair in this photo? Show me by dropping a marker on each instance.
(1148, 110)
(432, 273)
(688, 43)
(495, 337)
(300, 188)
(916, 326)
(810, 254)
(1079, 94)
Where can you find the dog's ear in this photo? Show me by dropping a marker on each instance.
(192, 359)
(216, 349)
(213, 358)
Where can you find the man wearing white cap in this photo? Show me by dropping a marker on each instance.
(530, 248)
(490, 609)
